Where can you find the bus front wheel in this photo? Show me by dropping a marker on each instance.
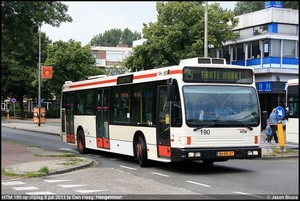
(141, 152)
(81, 142)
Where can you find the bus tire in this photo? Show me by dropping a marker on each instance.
(141, 152)
(81, 142)
(208, 162)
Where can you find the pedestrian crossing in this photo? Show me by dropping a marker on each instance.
(23, 188)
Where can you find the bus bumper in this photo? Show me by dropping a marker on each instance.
(216, 154)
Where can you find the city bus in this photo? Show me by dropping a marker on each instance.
(292, 110)
(166, 114)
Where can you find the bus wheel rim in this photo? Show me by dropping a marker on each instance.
(138, 150)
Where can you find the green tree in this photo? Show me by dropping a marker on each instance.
(243, 7)
(20, 45)
(179, 34)
(70, 62)
(113, 37)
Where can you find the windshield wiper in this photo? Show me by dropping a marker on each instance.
(205, 126)
(241, 123)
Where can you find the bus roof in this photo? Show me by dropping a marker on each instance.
(151, 74)
(292, 82)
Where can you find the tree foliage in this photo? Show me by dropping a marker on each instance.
(20, 22)
(70, 62)
(243, 7)
(113, 37)
(179, 34)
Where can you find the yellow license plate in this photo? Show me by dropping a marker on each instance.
(225, 153)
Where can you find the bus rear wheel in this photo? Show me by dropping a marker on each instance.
(81, 142)
(141, 152)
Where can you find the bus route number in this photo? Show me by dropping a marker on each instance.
(204, 132)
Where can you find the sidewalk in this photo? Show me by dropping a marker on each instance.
(20, 160)
(38, 158)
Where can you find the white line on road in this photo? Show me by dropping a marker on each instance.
(164, 175)
(192, 182)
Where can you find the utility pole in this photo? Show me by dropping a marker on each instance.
(39, 91)
(205, 30)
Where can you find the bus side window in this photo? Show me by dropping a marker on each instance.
(135, 111)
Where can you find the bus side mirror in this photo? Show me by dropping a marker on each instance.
(171, 92)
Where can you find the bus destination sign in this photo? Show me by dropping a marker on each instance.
(217, 75)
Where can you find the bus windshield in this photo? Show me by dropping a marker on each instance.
(221, 106)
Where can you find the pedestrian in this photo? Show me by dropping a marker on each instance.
(273, 124)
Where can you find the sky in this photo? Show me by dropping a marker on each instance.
(96, 17)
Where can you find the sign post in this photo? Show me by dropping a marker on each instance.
(13, 100)
(279, 113)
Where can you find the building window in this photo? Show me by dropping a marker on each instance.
(275, 52)
(262, 29)
(117, 56)
(289, 48)
(255, 49)
(250, 55)
(287, 29)
(234, 52)
(240, 51)
(94, 54)
(297, 50)
(246, 33)
(266, 48)
(226, 54)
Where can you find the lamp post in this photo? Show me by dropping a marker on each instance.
(205, 29)
(39, 91)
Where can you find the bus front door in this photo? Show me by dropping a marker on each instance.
(70, 118)
(163, 123)
(102, 118)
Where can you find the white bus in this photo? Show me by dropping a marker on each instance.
(292, 116)
(166, 114)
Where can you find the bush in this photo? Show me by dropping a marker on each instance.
(53, 112)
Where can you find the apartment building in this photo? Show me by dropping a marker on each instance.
(269, 43)
(107, 57)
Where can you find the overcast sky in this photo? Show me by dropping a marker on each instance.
(93, 18)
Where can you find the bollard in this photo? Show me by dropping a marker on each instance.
(280, 135)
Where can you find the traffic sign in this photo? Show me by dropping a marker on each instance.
(41, 100)
(13, 100)
(279, 112)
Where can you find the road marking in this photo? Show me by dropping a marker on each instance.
(41, 193)
(164, 175)
(54, 181)
(70, 186)
(192, 182)
(11, 183)
(127, 167)
(25, 188)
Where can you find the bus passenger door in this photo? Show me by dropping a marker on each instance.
(163, 123)
(102, 118)
(70, 117)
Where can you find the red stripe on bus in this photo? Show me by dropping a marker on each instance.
(172, 72)
(93, 83)
(145, 76)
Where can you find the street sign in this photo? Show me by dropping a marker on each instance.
(41, 100)
(279, 112)
(13, 100)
